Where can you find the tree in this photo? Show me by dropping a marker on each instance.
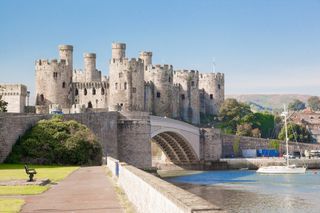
(244, 130)
(296, 105)
(314, 103)
(231, 113)
(57, 141)
(3, 105)
(296, 133)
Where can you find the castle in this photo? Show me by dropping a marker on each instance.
(132, 85)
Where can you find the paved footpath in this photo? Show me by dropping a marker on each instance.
(86, 190)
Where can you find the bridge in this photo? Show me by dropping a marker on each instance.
(179, 141)
(125, 136)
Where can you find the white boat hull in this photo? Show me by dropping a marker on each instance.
(281, 170)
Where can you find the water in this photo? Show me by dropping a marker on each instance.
(246, 191)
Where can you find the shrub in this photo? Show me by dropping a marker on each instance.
(56, 141)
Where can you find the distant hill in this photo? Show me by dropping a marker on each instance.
(269, 102)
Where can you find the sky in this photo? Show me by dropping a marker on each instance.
(262, 46)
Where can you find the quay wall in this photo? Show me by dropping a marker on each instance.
(149, 193)
(228, 142)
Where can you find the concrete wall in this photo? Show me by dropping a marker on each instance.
(151, 194)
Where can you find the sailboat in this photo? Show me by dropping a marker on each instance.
(286, 169)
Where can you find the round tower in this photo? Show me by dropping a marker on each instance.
(89, 66)
(189, 101)
(212, 86)
(126, 81)
(146, 57)
(118, 50)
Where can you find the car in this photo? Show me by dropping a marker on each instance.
(56, 112)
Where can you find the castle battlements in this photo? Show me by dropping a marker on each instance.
(159, 67)
(218, 76)
(45, 64)
(89, 85)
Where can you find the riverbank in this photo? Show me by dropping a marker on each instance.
(255, 163)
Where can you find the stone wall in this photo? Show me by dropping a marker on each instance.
(103, 125)
(151, 194)
(15, 95)
(134, 139)
(211, 145)
(259, 143)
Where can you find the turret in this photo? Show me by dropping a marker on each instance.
(66, 53)
(118, 50)
(146, 57)
(89, 66)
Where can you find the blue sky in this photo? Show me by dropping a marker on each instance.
(262, 46)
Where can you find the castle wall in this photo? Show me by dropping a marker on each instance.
(212, 92)
(90, 95)
(15, 95)
(189, 102)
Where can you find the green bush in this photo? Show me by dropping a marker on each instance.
(56, 141)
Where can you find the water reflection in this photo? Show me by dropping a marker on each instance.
(245, 191)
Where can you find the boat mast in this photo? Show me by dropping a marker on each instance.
(286, 130)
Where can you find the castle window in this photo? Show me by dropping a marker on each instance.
(102, 91)
(219, 86)
(183, 97)
(93, 91)
(125, 85)
(192, 83)
(85, 91)
(64, 85)
(211, 96)
(114, 60)
(76, 92)
(89, 104)
(41, 98)
(116, 85)
(134, 90)
(120, 74)
(158, 94)
(55, 74)
(169, 79)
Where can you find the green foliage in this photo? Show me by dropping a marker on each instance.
(236, 146)
(3, 105)
(238, 119)
(206, 119)
(296, 133)
(56, 141)
(231, 113)
(296, 105)
(274, 144)
(314, 103)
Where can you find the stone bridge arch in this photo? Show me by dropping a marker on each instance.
(178, 140)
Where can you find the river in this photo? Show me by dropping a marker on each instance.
(247, 191)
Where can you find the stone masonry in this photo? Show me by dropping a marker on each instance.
(132, 85)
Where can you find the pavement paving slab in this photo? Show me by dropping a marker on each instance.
(86, 190)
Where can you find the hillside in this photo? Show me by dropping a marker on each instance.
(272, 101)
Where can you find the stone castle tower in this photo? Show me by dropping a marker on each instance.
(54, 79)
(126, 80)
(132, 85)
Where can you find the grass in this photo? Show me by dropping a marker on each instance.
(22, 190)
(11, 205)
(17, 172)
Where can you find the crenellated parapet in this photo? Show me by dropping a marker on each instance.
(50, 65)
